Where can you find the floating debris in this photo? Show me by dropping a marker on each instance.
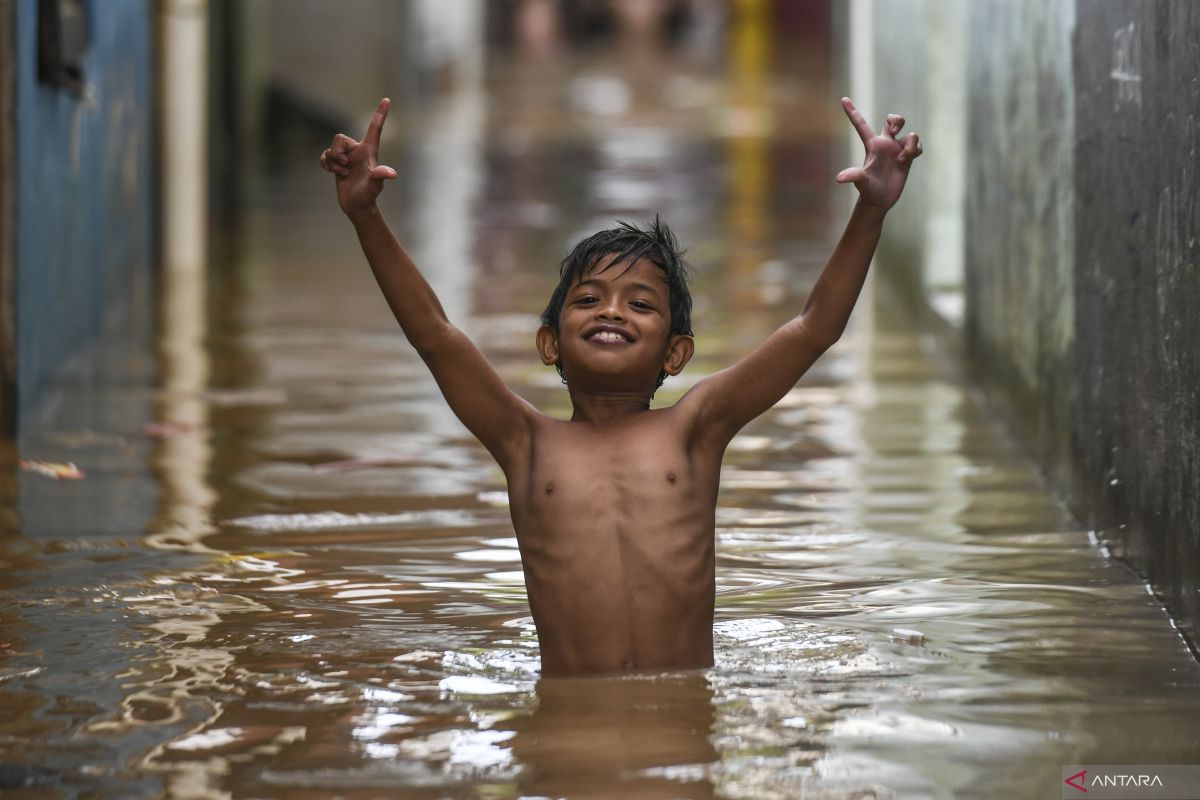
(907, 636)
(53, 469)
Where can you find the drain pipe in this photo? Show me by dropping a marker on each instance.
(183, 455)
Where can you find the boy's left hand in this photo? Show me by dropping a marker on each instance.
(880, 179)
(355, 165)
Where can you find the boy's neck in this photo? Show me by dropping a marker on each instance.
(607, 406)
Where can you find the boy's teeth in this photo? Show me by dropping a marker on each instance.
(608, 336)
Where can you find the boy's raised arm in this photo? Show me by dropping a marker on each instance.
(727, 400)
(476, 394)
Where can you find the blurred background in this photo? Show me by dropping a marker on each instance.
(185, 317)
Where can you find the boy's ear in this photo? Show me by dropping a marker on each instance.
(547, 345)
(679, 353)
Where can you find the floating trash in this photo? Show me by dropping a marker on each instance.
(53, 469)
(907, 636)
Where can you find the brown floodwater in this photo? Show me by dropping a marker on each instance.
(310, 586)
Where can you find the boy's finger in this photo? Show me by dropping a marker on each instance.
(343, 144)
(383, 173)
(851, 175)
(334, 163)
(858, 121)
(912, 148)
(376, 126)
(893, 125)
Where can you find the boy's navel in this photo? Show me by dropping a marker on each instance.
(550, 487)
(671, 477)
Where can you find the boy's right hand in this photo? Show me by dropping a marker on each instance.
(355, 167)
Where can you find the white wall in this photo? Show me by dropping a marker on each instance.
(909, 57)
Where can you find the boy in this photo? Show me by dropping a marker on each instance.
(614, 509)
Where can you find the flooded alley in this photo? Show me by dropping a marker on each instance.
(290, 572)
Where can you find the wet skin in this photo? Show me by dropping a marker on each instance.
(615, 525)
(614, 510)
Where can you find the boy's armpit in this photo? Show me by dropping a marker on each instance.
(490, 410)
(724, 402)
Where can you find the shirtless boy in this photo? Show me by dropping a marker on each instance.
(614, 509)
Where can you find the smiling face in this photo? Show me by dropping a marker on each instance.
(614, 330)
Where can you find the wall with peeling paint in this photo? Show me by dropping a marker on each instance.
(84, 196)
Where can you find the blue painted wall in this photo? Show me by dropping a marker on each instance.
(84, 216)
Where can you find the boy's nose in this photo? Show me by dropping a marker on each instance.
(609, 310)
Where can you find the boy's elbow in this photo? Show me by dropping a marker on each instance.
(820, 337)
(432, 340)
(831, 339)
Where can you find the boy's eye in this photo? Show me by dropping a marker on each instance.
(641, 304)
(585, 300)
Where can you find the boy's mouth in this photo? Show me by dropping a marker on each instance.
(608, 334)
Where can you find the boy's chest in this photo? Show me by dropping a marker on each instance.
(627, 507)
(632, 469)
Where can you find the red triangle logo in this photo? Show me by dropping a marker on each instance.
(1081, 776)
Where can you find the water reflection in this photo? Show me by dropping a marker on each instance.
(638, 736)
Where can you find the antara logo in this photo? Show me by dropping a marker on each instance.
(1080, 776)
(1120, 779)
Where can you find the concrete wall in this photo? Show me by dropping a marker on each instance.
(1137, 288)
(1080, 251)
(84, 212)
(1019, 256)
(927, 83)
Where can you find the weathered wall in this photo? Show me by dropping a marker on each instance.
(984, 235)
(1080, 247)
(84, 196)
(1020, 309)
(1137, 288)
(925, 79)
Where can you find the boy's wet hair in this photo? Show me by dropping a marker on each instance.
(629, 244)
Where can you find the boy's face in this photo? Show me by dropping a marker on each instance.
(614, 329)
